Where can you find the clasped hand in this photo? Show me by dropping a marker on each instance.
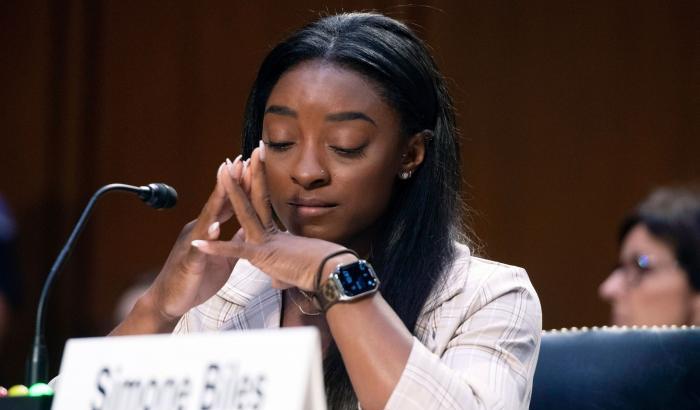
(200, 263)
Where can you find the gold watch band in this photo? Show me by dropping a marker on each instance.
(328, 294)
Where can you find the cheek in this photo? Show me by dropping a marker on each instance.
(363, 189)
(660, 301)
(367, 187)
(669, 288)
(277, 181)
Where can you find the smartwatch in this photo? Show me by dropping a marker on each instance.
(346, 283)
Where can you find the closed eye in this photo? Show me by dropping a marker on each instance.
(350, 152)
(279, 146)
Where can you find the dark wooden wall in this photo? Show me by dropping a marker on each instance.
(570, 111)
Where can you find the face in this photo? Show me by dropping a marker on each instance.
(333, 152)
(648, 287)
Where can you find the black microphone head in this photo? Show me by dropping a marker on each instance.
(159, 195)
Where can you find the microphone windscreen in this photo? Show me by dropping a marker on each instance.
(160, 196)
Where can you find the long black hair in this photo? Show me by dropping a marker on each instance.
(416, 240)
(672, 214)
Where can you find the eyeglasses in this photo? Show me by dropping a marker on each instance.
(641, 266)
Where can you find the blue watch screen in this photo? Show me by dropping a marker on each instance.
(357, 278)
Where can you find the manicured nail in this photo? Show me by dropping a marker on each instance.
(261, 154)
(213, 229)
(198, 243)
(237, 168)
(231, 166)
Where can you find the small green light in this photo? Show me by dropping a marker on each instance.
(40, 389)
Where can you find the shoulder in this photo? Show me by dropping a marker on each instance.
(469, 273)
(473, 272)
(485, 325)
(472, 282)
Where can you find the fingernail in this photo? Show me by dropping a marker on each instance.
(218, 171)
(236, 170)
(213, 229)
(198, 243)
(228, 165)
(261, 154)
(231, 166)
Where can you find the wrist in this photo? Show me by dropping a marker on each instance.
(346, 280)
(331, 264)
(149, 313)
(323, 271)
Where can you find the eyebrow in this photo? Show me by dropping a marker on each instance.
(335, 117)
(349, 116)
(280, 110)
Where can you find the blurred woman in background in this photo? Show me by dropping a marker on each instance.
(657, 279)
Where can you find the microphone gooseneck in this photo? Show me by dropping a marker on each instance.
(156, 195)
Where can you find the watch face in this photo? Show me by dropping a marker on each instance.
(357, 278)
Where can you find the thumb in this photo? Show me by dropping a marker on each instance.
(231, 249)
(195, 259)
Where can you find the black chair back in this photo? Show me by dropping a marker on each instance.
(618, 368)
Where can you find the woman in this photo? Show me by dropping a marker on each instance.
(353, 146)
(657, 281)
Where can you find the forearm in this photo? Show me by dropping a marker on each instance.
(144, 318)
(375, 346)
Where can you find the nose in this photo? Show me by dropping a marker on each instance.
(309, 168)
(613, 287)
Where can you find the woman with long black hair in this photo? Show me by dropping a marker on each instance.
(350, 222)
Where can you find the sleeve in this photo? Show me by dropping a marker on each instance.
(209, 316)
(490, 357)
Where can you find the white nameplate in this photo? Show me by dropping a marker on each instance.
(262, 369)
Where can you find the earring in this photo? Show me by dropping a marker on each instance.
(405, 174)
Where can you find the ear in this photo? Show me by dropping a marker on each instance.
(413, 153)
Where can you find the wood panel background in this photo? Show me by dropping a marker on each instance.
(570, 112)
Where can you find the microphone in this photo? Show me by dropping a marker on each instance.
(156, 195)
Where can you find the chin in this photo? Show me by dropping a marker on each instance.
(313, 231)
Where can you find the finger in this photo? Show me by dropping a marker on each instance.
(226, 210)
(242, 207)
(245, 180)
(239, 235)
(217, 208)
(221, 248)
(259, 195)
(214, 231)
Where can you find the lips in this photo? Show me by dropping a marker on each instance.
(310, 207)
(311, 202)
